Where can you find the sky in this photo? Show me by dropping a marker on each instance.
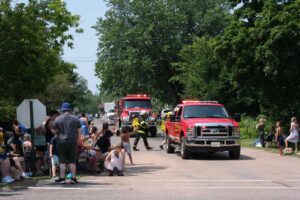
(85, 44)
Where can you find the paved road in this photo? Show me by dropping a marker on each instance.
(158, 175)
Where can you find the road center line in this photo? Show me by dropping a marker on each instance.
(67, 188)
(269, 188)
(207, 180)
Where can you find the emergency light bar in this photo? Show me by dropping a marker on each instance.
(197, 101)
(137, 95)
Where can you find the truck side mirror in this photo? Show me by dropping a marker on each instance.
(174, 118)
(237, 117)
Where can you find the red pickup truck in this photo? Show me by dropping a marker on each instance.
(202, 126)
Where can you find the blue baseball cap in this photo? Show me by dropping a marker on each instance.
(65, 107)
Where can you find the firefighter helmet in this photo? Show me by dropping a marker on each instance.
(143, 112)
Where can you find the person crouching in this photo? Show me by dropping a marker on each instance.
(114, 161)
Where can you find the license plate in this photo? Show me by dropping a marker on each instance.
(215, 144)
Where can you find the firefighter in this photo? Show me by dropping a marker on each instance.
(163, 128)
(141, 131)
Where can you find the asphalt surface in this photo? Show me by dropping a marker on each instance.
(258, 174)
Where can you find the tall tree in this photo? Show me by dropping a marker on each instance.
(261, 47)
(140, 39)
(32, 36)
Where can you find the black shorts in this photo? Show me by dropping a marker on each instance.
(41, 148)
(67, 152)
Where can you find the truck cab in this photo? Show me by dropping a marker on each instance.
(129, 107)
(202, 126)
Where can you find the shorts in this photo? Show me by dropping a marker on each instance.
(54, 160)
(67, 152)
(127, 147)
(41, 148)
(3, 156)
(280, 141)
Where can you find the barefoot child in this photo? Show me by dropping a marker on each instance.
(126, 143)
(279, 138)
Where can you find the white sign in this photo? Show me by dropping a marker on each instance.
(39, 113)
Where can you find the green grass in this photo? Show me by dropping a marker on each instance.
(273, 149)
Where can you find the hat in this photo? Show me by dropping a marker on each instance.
(143, 112)
(65, 107)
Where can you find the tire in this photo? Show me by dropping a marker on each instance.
(169, 148)
(184, 153)
(235, 154)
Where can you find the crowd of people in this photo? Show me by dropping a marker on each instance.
(284, 143)
(59, 143)
(64, 138)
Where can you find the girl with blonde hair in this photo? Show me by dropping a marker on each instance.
(294, 134)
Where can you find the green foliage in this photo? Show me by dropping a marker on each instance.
(31, 40)
(7, 110)
(248, 127)
(140, 39)
(261, 49)
(32, 37)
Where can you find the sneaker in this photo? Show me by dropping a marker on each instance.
(120, 174)
(24, 175)
(7, 179)
(149, 148)
(73, 181)
(54, 178)
(110, 174)
(135, 149)
(29, 174)
(161, 147)
(61, 180)
(69, 176)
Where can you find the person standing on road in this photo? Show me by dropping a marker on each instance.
(294, 133)
(279, 138)
(163, 128)
(261, 131)
(48, 127)
(141, 131)
(84, 125)
(68, 129)
(126, 143)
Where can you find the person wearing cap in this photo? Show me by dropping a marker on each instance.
(141, 131)
(68, 129)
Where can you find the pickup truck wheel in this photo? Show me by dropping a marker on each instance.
(235, 154)
(183, 151)
(169, 148)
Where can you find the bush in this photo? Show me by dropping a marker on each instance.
(247, 127)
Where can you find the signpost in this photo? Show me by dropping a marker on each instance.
(31, 113)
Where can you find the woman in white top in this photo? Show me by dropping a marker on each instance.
(294, 133)
(114, 161)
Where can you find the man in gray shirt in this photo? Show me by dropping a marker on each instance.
(68, 129)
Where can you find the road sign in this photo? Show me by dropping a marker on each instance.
(27, 118)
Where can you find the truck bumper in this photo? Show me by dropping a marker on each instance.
(213, 145)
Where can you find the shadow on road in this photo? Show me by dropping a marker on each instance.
(134, 170)
(217, 156)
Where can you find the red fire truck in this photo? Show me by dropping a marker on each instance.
(129, 107)
(202, 126)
